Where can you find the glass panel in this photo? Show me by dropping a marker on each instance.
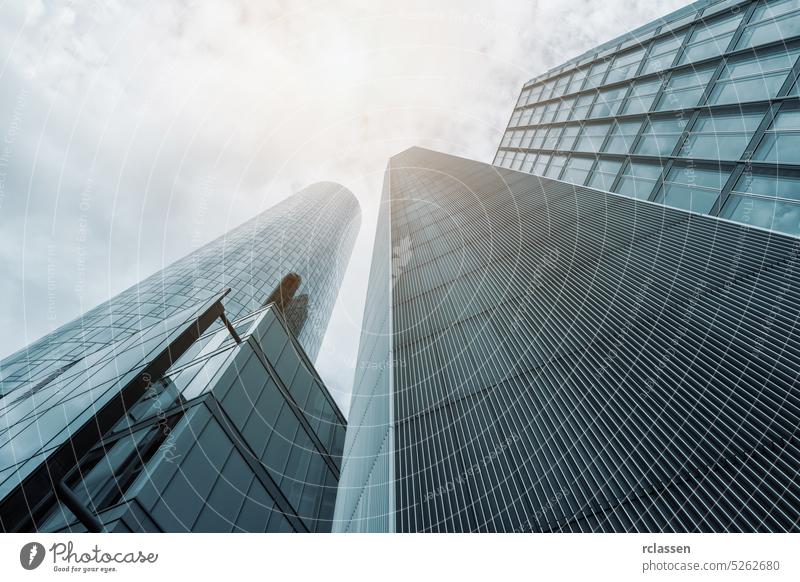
(561, 84)
(721, 136)
(595, 78)
(608, 102)
(552, 138)
(753, 79)
(772, 21)
(622, 137)
(711, 39)
(642, 96)
(577, 81)
(541, 164)
(555, 166)
(660, 136)
(692, 188)
(604, 174)
(625, 66)
(769, 201)
(568, 137)
(577, 169)
(663, 53)
(565, 109)
(592, 137)
(684, 89)
(781, 142)
(582, 105)
(638, 179)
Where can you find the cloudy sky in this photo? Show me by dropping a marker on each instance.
(133, 132)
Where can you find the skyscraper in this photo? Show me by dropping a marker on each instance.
(698, 110)
(543, 356)
(205, 367)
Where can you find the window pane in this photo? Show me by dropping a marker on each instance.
(684, 89)
(753, 79)
(592, 137)
(660, 136)
(604, 174)
(577, 169)
(711, 39)
(642, 96)
(541, 164)
(608, 102)
(555, 166)
(577, 81)
(565, 109)
(595, 78)
(625, 66)
(622, 137)
(552, 138)
(568, 137)
(638, 179)
(721, 136)
(769, 201)
(692, 188)
(582, 105)
(663, 54)
(781, 142)
(772, 21)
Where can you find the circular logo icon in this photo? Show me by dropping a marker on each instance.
(31, 555)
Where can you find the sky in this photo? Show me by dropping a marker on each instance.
(133, 132)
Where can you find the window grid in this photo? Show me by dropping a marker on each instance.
(596, 92)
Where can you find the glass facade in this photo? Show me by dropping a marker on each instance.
(560, 358)
(91, 412)
(713, 82)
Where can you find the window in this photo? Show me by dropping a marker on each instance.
(555, 166)
(552, 138)
(625, 66)
(582, 105)
(660, 136)
(766, 200)
(577, 80)
(772, 21)
(518, 161)
(527, 165)
(604, 174)
(550, 111)
(622, 137)
(753, 78)
(663, 53)
(565, 109)
(561, 85)
(538, 138)
(721, 136)
(692, 188)
(638, 179)
(608, 102)
(684, 89)
(523, 97)
(541, 164)
(595, 78)
(592, 137)
(568, 136)
(506, 139)
(711, 39)
(642, 96)
(536, 116)
(516, 139)
(535, 94)
(577, 169)
(781, 142)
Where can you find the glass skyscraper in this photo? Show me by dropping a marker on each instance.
(189, 402)
(542, 356)
(698, 110)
